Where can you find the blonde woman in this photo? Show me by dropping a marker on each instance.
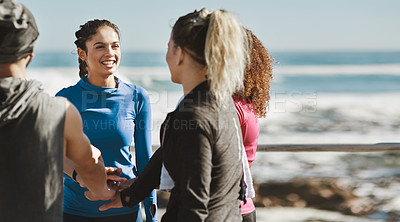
(201, 145)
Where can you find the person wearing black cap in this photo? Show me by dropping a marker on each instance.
(37, 132)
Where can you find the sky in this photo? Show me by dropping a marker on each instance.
(282, 25)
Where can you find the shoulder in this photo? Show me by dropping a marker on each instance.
(244, 108)
(49, 102)
(73, 121)
(196, 117)
(73, 93)
(138, 91)
(49, 109)
(68, 91)
(70, 108)
(239, 106)
(72, 115)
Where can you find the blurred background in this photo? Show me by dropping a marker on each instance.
(336, 80)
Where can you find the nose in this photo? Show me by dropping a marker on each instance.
(109, 51)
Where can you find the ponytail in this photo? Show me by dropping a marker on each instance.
(257, 77)
(82, 68)
(226, 54)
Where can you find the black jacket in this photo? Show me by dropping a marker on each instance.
(201, 149)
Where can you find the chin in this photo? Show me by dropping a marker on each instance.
(110, 71)
(175, 80)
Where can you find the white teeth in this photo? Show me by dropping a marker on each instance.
(108, 62)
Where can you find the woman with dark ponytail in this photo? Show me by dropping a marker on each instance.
(84, 34)
(114, 114)
(201, 145)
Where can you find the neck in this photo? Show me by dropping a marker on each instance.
(16, 70)
(193, 79)
(108, 82)
(192, 75)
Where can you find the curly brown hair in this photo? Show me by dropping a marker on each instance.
(257, 77)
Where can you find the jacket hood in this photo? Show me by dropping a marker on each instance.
(14, 96)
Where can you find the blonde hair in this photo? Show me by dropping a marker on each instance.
(226, 54)
(218, 41)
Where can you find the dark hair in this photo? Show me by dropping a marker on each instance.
(190, 32)
(18, 31)
(85, 33)
(257, 77)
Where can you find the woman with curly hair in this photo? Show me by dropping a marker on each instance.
(251, 103)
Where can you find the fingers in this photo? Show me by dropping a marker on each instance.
(114, 177)
(115, 203)
(118, 171)
(106, 206)
(124, 185)
(107, 195)
(90, 196)
(113, 185)
(113, 170)
(111, 194)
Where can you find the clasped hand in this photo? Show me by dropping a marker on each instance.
(116, 184)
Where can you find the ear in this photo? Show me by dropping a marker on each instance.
(82, 54)
(27, 59)
(29, 56)
(180, 55)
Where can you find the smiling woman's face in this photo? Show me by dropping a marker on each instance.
(103, 52)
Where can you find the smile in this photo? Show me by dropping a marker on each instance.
(108, 62)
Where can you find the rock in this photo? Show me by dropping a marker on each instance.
(319, 193)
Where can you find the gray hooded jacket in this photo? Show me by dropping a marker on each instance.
(31, 152)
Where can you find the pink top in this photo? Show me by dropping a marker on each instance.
(250, 130)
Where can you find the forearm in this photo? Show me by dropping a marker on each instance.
(142, 136)
(68, 166)
(86, 159)
(195, 168)
(148, 180)
(143, 148)
(92, 173)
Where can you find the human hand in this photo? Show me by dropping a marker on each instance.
(113, 182)
(113, 179)
(106, 195)
(113, 171)
(80, 181)
(125, 185)
(115, 202)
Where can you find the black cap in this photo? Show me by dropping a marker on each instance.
(18, 31)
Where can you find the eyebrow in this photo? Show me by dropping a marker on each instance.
(102, 43)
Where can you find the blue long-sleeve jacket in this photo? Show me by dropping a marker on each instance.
(111, 118)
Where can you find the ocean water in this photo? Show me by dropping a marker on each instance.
(316, 97)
